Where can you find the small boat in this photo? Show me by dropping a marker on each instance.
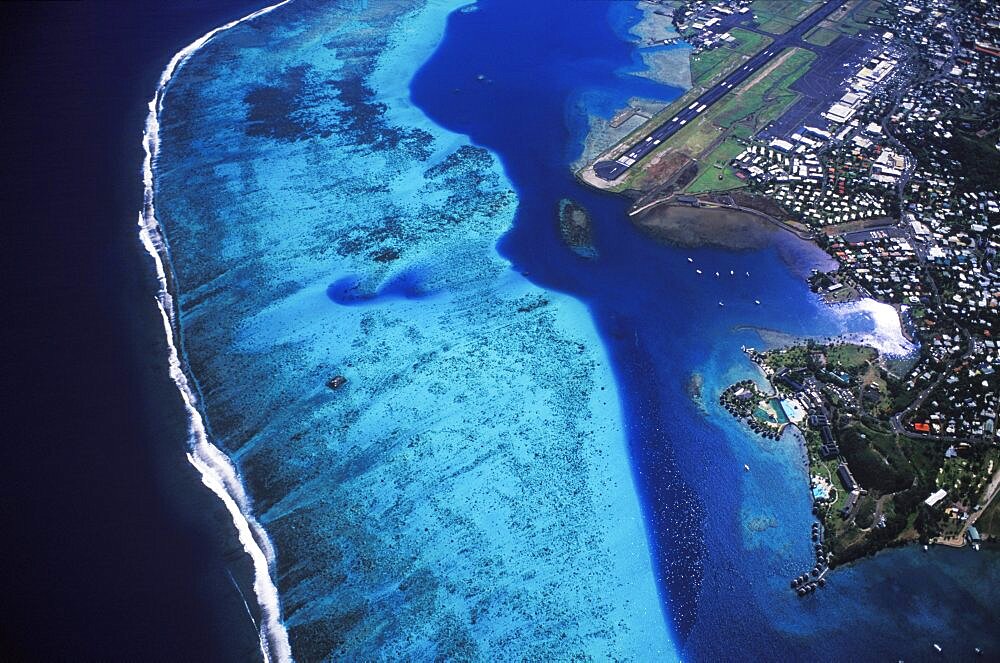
(732, 273)
(697, 271)
(748, 273)
(746, 468)
(937, 647)
(690, 260)
(721, 304)
(757, 302)
(716, 273)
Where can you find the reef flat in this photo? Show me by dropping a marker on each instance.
(576, 228)
(657, 74)
(718, 227)
(663, 52)
(467, 490)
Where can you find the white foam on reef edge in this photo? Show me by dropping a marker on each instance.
(886, 334)
(216, 469)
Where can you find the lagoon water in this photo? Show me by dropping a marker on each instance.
(516, 465)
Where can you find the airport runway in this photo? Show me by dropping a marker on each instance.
(612, 170)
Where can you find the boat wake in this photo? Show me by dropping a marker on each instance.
(217, 470)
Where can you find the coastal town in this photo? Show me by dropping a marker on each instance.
(869, 127)
(872, 485)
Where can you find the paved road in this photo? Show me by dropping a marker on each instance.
(612, 170)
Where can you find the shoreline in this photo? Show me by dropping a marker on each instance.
(703, 204)
(829, 562)
(643, 212)
(823, 507)
(217, 470)
(734, 235)
(830, 565)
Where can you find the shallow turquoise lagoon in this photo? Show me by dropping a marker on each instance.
(468, 490)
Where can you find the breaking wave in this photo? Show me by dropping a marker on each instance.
(217, 470)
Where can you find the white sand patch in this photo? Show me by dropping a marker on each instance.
(876, 325)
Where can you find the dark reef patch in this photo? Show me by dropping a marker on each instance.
(468, 170)
(350, 291)
(470, 163)
(385, 255)
(473, 190)
(576, 228)
(362, 120)
(280, 111)
(360, 238)
(532, 303)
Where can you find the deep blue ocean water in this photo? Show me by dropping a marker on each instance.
(725, 541)
(113, 549)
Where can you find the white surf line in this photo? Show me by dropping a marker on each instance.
(216, 469)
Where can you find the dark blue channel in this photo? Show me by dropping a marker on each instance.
(513, 76)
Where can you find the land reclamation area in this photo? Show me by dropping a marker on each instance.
(800, 78)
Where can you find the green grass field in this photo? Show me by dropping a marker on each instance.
(768, 99)
(711, 66)
(776, 25)
(821, 36)
(851, 22)
(716, 163)
(849, 356)
(857, 21)
(780, 16)
(749, 43)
